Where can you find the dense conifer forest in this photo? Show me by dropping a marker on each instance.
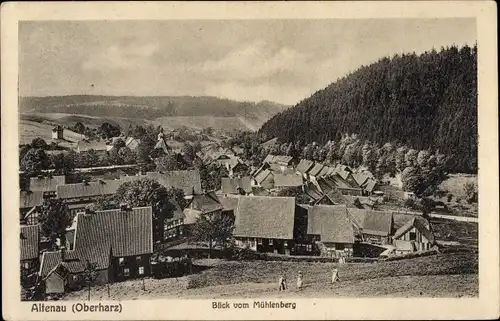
(426, 102)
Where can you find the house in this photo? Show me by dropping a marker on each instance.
(174, 226)
(335, 181)
(240, 185)
(375, 226)
(29, 206)
(188, 181)
(415, 235)
(281, 163)
(57, 132)
(263, 178)
(132, 143)
(283, 181)
(409, 195)
(304, 166)
(332, 229)
(78, 196)
(200, 204)
(234, 165)
(270, 224)
(85, 146)
(30, 248)
(46, 184)
(119, 242)
(314, 172)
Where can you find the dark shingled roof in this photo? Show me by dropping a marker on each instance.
(289, 180)
(50, 260)
(372, 222)
(304, 165)
(30, 199)
(229, 202)
(89, 189)
(30, 239)
(46, 184)
(178, 213)
(185, 180)
(313, 191)
(265, 217)
(331, 222)
(230, 185)
(377, 223)
(124, 233)
(207, 202)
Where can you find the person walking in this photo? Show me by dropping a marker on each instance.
(335, 276)
(299, 280)
(282, 283)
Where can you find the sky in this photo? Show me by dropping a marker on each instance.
(252, 60)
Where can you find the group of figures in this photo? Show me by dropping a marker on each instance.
(283, 284)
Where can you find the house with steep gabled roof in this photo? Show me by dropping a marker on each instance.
(270, 224)
(186, 180)
(331, 226)
(414, 235)
(119, 242)
(314, 172)
(304, 166)
(263, 178)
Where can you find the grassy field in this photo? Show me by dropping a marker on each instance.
(443, 275)
(28, 130)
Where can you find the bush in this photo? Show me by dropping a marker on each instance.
(449, 197)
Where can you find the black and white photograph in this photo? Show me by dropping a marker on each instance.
(260, 159)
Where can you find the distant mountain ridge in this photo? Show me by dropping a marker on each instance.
(149, 107)
(426, 101)
(248, 115)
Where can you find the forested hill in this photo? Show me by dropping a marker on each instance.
(148, 107)
(425, 102)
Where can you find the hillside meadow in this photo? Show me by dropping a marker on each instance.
(442, 275)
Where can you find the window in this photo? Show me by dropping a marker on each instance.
(75, 277)
(413, 236)
(271, 242)
(26, 265)
(141, 270)
(309, 247)
(120, 260)
(138, 258)
(126, 271)
(286, 243)
(259, 241)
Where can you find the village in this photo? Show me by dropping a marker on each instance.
(98, 226)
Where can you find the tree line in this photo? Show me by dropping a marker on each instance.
(425, 102)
